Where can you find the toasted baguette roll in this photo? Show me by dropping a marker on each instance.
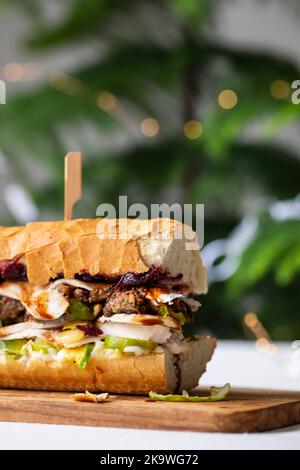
(116, 373)
(48, 249)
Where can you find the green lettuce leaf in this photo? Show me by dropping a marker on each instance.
(179, 316)
(79, 311)
(13, 346)
(216, 394)
(165, 311)
(115, 342)
(84, 358)
(38, 345)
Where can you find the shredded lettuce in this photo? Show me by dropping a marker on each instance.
(216, 394)
(115, 342)
(18, 348)
(80, 355)
(86, 354)
(38, 345)
(13, 346)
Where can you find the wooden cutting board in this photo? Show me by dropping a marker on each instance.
(245, 410)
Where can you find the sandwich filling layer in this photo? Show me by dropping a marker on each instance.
(73, 319)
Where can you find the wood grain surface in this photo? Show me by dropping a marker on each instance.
(244, 411)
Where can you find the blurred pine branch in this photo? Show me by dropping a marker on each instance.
(158, 59)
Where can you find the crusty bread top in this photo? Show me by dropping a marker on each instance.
(51, 248)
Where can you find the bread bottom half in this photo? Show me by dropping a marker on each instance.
(116, 373)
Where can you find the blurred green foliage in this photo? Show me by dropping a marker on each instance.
(160, 59)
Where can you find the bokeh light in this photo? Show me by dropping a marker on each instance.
(251, 320)
(106, 101)
(149, 127)
(193, 130)
(227, 99)
(59, 80)
(64, 82)
(280, 89)
(13, 72)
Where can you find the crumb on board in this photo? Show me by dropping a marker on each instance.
(91, 397)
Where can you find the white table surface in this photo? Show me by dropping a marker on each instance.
(236, 362)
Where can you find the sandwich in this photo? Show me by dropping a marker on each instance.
(101, 305)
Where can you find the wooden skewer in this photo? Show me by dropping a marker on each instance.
(73, 182)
